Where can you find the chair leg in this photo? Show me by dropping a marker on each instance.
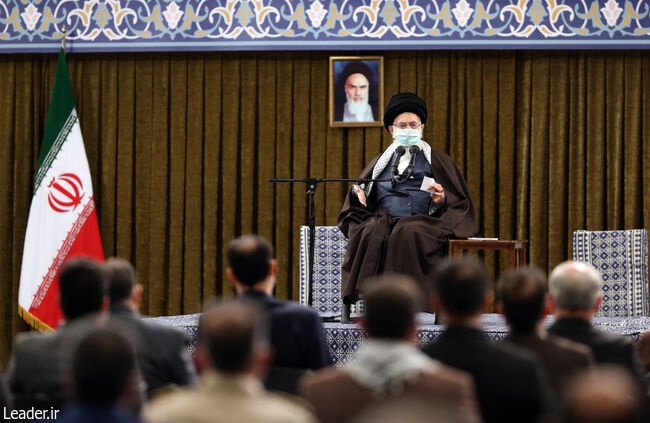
(345, 314)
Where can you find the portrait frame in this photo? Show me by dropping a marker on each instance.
(340, 67)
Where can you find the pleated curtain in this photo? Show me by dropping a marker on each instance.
(181, 147)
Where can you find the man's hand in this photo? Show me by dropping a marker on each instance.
(361, 195)
(438, 193)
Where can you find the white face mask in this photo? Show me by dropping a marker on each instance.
(406, 137)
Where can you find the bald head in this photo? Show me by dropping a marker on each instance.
(575, 286)
(250, 258)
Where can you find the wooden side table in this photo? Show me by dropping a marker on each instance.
(516, 248)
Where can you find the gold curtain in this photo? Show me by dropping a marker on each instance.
(181, 146)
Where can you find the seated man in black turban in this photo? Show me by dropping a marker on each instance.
(395, 226)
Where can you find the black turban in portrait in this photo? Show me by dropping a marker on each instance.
(402, 103)
(355, 67)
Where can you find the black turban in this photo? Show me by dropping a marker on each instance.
(355, 67)
(402, 103)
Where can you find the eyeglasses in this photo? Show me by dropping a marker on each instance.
(404, 125)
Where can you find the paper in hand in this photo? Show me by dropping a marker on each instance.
(426, 181)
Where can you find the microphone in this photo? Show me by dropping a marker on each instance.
(413, 150)
(399, 152)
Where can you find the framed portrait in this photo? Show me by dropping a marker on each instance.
(356, 90)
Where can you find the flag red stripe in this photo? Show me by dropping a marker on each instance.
(83, 240)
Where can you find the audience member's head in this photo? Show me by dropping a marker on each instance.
(607, 395)
(104, 369)
(391, 305)
(523, 296)
(643, 346)
(461, 284)
(122, 281)
(233, 337)
(82, 286)
(575, 286)
(250, 260)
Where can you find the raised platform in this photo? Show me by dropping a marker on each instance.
(344, 339)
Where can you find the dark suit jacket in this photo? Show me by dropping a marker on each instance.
(76, 412)
(297, 333)
(510, 383)
(162, 351)
(561, 358)
(337, 398)
(39, 362)
(608, 348)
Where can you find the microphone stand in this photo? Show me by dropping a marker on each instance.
(311, 184)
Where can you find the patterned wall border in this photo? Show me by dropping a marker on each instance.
(155, 25)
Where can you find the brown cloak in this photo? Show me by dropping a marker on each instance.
(411, 245)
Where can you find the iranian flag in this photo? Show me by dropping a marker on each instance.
(62, 218)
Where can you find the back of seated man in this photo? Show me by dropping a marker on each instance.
(233, 354)
(37, 363)
(510, 383)
(523, 299)
(575, 289)
(388, 369)
(162, 350)
(105, 379)
(297, 333)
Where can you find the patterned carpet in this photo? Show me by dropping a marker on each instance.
(344, 339)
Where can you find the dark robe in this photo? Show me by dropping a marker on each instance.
(411, 245)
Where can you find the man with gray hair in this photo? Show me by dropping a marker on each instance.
(575, 290)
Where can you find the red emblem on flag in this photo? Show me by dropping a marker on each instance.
(66, 192)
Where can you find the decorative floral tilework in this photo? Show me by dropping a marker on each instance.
(146, 25)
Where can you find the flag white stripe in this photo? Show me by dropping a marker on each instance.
(56, 147)
(47, 229)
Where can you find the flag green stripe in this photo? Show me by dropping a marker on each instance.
(61, 106)
(54, 149)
